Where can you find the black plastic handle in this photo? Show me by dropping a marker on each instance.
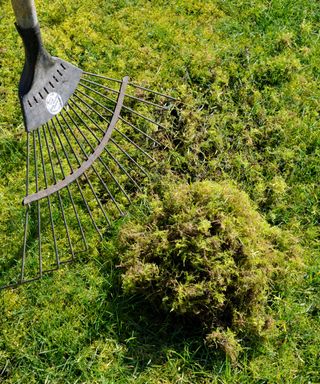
(34, 52)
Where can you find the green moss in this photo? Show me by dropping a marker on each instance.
(234, 123)
(205, 252)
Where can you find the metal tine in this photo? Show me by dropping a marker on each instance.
(129, 157)
(123, 169)
(27, 212)
(102, 77)
(102, 117)
(121, 118)
(58, 192)
(110, 154)
(35, 157)
(28, 164)
(111, 112)
(151, 91)
(96, 101)
(96, 137)
(99, 202)
(49, 201)
(15, 285)
(106, 149)
(77, 181)
(139, 130)
(124, 106)
(135, 145)
(113, 141)
(85, 175)
(131, 84)
(125, 136)
(108, 191)
(68, 189)
(130, 96)
(24, 244)
(120, 166)
(93, 167)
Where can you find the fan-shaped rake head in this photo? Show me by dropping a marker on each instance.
(90, 141)
(83, 168)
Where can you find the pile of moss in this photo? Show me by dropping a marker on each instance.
(206, 254)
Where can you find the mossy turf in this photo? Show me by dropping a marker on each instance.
(247, 75)
(205, 254)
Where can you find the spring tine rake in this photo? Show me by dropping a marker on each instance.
(89, 142)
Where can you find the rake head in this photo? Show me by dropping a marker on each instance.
(90, 140)
(46, 82)
(84, 166)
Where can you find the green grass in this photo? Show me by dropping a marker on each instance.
(247, 73)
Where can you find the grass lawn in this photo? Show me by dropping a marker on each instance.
(247, 74)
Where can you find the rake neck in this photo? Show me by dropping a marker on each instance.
(25, 13)
(35, 54)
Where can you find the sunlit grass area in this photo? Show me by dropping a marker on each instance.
(246, 74)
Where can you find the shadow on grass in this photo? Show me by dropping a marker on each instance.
(152, 337)
(63, 320)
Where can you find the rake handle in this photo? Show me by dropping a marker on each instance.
(25, 12)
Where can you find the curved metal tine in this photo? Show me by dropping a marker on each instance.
(68, 189)
(129, 96)
(123, 169)
(106, 149)
(140, 131)
(124, 106)
(96, 137)
(93, 167)
(129, 157)
(77, 182)
(118, 146)
(101, 160)
(108, 191)
(85, 175)
(35, 158)
(96, 101)
(123, 151)
(135, 145)
(58, 192)
(49, 201)
(90, 118)
(109, 110)
(132, 85)
(122, 134)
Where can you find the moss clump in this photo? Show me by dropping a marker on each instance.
(206, 254)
